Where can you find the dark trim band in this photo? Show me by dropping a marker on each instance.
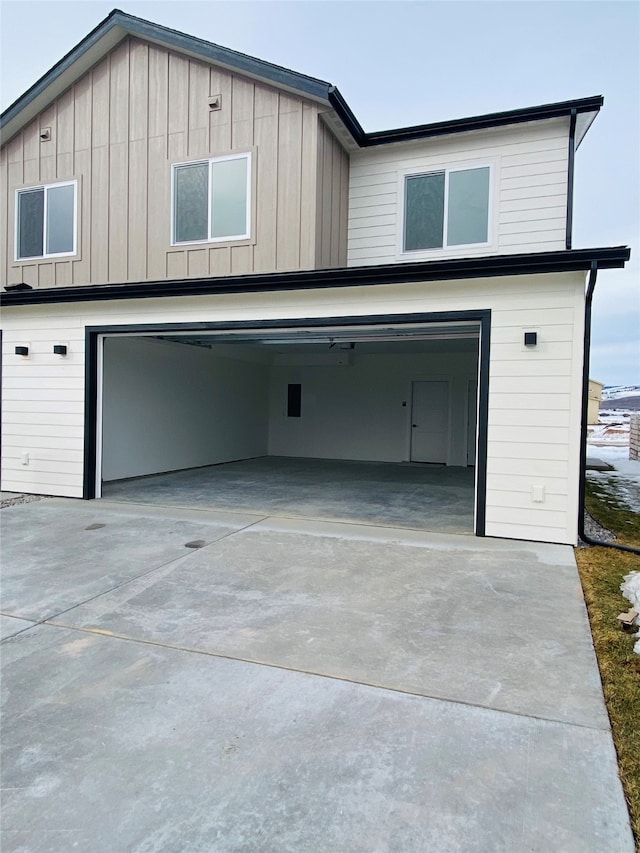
(582, 477)
(483, 422)
(347, 116)
(90, 414)
(463, 125)
(481, 316)
(449, 270)
(570, 171)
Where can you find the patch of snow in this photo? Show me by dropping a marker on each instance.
(612, 428)
(630, 588)
(611, 418)
(626, 473)
(612, 453)
(610, 392)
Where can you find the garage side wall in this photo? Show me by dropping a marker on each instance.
(169, 406)
(534, 393)
(42, 406)
(362, 410)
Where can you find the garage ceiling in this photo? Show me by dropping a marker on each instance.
(434, 338)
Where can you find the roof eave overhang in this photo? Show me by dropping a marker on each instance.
(116, 27)
(584, 120)
(448, 270)
(586, 110)
(58, 79)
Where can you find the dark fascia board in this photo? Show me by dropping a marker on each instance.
(465, 268)
(224, 56)
(115, 27)
(590, 105)
(347, 117)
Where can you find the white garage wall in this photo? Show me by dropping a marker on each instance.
(356, 411)
(534, 405)
(169, 406)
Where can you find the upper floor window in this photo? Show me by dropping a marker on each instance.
(446, 208)
(46, 221)
(212, 200)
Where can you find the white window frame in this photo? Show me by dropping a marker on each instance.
(245, 155)
(445, 248)
(46, 188)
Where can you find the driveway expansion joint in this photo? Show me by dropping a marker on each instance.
(383, 691)
(103, 632)
(130, 580)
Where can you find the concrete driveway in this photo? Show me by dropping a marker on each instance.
(295, 685)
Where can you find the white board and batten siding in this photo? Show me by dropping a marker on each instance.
(528, 198)
(534, 412)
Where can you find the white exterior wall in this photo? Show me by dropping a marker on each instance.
(357, 412)
(528, 200)
(169, 406)
(534, 410)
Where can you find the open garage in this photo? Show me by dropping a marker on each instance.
(366, 424)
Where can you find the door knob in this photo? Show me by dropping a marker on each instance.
(414, 425)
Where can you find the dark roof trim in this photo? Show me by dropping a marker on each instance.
(224, 56)
(464, 268)
(126, 24)
(347, 117)
(462, 125)
(59, 68)
(117, 25)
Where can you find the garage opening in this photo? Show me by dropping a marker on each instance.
(365, 424)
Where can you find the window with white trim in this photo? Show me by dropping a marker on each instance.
(446, 208)
(212, 200)
(46, 221)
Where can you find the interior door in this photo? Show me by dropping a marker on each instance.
(430, 422)
(472, 421)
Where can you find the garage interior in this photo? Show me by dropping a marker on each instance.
(363, 425)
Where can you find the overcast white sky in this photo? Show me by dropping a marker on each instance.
(400, 63)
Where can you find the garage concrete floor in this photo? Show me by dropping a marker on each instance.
(295, 685)
(423, 497)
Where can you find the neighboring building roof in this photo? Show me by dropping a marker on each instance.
(535, 263)
(118, 25)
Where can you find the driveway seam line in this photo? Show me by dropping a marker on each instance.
(130, 580)
(187, 507)
(112, 635)
(31, 624)
(324, 519)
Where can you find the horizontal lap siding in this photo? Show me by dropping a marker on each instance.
(534, 414)
(529, 193)
(43, 408)
(534, 411)
(119, 129)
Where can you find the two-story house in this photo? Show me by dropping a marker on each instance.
(207, 259)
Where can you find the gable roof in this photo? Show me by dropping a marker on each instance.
(118, 25)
